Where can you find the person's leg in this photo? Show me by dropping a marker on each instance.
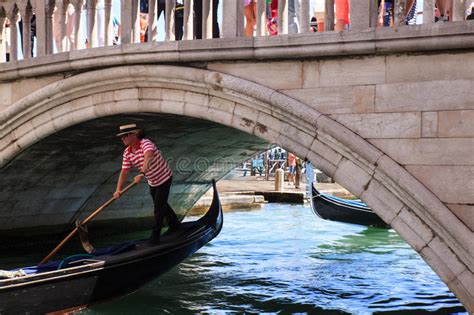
(156, 230)
(162, 195)
(179, 21)
(441, 4)
(198, 18)
(215, 25)
(342, 14)
(250, 19)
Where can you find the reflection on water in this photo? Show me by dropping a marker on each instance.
(283, 259)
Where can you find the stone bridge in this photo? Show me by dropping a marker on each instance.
(388, 112)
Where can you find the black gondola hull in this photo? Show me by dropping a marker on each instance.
(110, 277)
(329, 209)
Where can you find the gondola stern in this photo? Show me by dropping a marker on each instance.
(214, 216)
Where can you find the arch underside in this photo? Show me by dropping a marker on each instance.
(245, 111)
(73, 171)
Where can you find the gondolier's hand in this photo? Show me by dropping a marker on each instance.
(117, 194)
(137, 179)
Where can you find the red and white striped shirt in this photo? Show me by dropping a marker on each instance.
(159, 171)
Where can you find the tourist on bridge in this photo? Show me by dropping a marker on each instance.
(143, 154)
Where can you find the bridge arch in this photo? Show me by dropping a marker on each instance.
(401, 200)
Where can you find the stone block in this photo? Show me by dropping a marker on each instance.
(84, 114)
(428, 151)
(105, 109)
(289, 144)
(243, 123)
(196, 98)
(221, 104)
(462, 287)
(424, 96)
(172, 107)
(268, 127)
(126, 94)
(442, 249)
(326, 152)
(382, 201)
(149, 93)
(429, 124)
(334, 100)
(438, 264)
(194, 110)
(276, 75)
(417, 68)
(389, 125)
(363, 99)
(149, 106)
(321, 163)
(465, 213)
(310, 74)
(103, 97)
(6, 94)
(408, 233)
(451, 184)
(25, 87)
(348, 139)
(456, 124)
(172, 95)
(352, 177)
(356, 71)
(219, 116)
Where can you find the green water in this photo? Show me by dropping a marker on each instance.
(283, 259)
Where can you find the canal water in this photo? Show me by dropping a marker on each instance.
(283, 259)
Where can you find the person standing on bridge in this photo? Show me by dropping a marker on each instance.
(143, 154)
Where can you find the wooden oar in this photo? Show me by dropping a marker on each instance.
(95, 213)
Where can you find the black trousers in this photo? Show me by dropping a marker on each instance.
(198, 19)
(162, 208)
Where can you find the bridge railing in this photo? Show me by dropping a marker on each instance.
(46, 27)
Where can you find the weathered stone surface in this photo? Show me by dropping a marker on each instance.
(416, 68)
(441, 248)
(429, 124)
(277, 75)
(396, 125)
(351, 177)
(382, 201)
(363, 98)
(465, 213)
(424, 96)
(421, 229)
(126, 94)
(463, 287)
(348, 139)
(310, 74)
(326, 152)
(441, 266)
(334, 100)
(27, 86)
(268, 127)
(433, 151)
(456, 124)
(452, 184)
(357, 71)
(5, 95)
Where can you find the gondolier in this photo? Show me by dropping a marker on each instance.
(143, 154)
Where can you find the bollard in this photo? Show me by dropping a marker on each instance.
(279, 176)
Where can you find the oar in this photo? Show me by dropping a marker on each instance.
(95, 213)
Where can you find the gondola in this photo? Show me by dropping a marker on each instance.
(342, 210)
(82, 280)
